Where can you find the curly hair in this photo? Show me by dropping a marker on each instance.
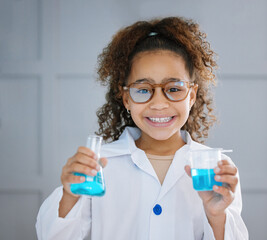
(179, 35)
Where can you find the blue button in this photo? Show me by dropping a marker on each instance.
(157, 209)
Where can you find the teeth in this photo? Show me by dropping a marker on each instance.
(160, 120)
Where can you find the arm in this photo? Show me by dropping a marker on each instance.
(75, 225)
(217, 224)
(223, 212)
(234, 227)
(65, 215)
(66, 204)
(223, 205)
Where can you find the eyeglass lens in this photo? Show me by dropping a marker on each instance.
(174, 91)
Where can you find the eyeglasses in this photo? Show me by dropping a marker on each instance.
(173, 90)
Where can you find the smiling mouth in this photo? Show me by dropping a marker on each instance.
(160, 120)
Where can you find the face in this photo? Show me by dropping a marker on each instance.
(160, 118)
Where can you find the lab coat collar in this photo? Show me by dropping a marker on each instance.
(176, 169)
(125, 145)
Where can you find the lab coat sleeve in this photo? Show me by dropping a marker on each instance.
(76, 225)
(208, 232)
(235, 228)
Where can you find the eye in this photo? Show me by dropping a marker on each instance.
(142, 91)
(174, 89)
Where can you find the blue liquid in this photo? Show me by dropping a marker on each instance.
(203, 179)
(92, 186)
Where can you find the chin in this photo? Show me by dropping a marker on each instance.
(161, 136)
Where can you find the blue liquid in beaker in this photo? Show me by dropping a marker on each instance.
(203, 179)
(92, 186)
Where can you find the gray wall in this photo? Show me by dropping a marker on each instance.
(48, 97)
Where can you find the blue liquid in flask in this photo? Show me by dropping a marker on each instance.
(203, 179)
(92, 186)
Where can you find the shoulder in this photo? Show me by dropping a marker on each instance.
(125, 145)
(113, 149)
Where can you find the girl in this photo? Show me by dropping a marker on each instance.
(158, 107)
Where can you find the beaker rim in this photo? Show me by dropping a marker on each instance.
(211, 150)
(206, 149)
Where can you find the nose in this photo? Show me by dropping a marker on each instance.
(159, 101)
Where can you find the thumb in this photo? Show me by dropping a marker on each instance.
(187, 169)
(103, 161)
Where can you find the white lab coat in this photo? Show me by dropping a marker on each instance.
(125, 212)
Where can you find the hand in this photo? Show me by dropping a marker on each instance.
(84, 161)
(215, 202)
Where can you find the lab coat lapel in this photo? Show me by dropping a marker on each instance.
(125, 145)
(140, 160)
(176, 170)
(138, 156)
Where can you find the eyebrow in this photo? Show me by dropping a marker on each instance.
(150, 80)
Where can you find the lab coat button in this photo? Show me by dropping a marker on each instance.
(157, 209)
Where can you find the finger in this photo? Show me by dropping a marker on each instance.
(87, 151)
(224, 162)
(67, 179)
(81, 158)
(226, 169)
(103, 162)
(70, 178)
(82, 151)
(80, 168)
(187, 169)
(85, 160)
(229, 179)
(70, 161)
(227, 194)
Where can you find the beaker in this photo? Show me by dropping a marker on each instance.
(93, 185)
(203, 162)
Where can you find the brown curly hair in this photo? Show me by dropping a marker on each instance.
(177, 34)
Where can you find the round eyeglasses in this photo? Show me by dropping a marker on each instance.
(174, 90)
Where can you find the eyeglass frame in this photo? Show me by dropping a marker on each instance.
(162, 86)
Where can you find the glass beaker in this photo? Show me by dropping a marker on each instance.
(93, 185)
(203, 162)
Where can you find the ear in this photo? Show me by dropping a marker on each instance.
(193, 95)
(125, 99)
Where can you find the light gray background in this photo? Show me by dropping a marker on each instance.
(48, 94)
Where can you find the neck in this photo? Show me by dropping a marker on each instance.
(160, 147)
